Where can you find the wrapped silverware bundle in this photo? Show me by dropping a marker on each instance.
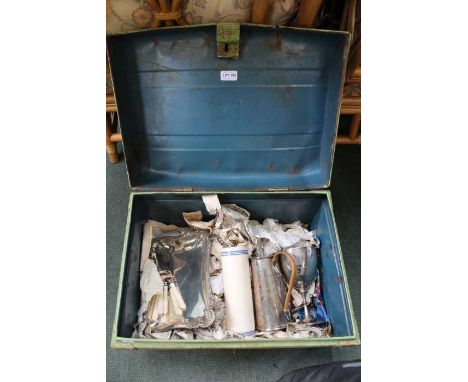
(230, 277)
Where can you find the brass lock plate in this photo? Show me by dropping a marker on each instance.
(227, 39)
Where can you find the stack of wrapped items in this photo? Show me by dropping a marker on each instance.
(182, 289)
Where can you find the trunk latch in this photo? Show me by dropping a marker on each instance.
(227, 38)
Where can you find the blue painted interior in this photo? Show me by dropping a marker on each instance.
(333, 285)
(273, 128)
(287, 207)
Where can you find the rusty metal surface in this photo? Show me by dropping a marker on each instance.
(275, 127)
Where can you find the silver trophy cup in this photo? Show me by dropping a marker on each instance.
(306, 269)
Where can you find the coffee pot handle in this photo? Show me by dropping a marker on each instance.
(292, 279)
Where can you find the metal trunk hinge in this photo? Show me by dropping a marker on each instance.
(182, 189)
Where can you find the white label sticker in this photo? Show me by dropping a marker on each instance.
(228, 75)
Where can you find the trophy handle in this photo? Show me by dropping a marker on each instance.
(292, 278)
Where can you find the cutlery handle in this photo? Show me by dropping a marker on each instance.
(160, 304)
(175, 303)
(165, 299)
(151, 305)
(180, 301)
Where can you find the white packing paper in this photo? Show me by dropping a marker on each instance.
(217, 284)
(194, 220)
(151, 282)
(230, 227)
(146, 244)
(273, 237)
(213, 206)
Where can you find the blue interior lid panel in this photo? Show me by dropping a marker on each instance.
(274, 127)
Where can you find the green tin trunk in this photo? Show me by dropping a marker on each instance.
(309, 206)
(248, 112)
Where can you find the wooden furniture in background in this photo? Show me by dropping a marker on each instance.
(259, 11)
(166, 13)
(351, 101)
(307, 13)
(351, 106)
(112, 136)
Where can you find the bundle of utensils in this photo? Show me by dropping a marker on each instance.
(169, 305)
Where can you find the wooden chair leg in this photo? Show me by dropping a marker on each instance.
(354, 60)
(354, 135)
(355, 127)
(165, 7)
(111, 147)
